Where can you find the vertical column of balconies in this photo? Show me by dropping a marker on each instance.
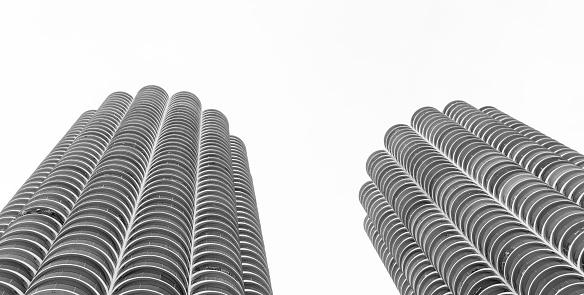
(546, 211)
(156, 259)
(85, 256)
(256, 276)
(216, 254)
(411, 259)
(522, 258)
(28, 238)
(565, 152)
(393, 269)
(566, 177)
(31, 185)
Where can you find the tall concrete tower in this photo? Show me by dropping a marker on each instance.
(146, 195)
(472, 201)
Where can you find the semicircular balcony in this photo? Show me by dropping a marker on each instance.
(68, 279)
(13, 278)
(163, 222)
(78, 258)
(146, 284)
(159, 246)
(214, 236)
(104, 235)
(163, 235)
(169, 183)
(170, 164)
(98, 218)
(221, 268)
(176, 214)
(102, 253)
(170, 204)
(158, 268)
(257, 273)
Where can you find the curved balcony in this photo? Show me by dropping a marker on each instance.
(110, 186)
(176, 171)
(159, 231)
(170, 205)
(170, 183)
(106, 196)
(216, 244)
(147, 283)
(78, 260)
(68, 280)
(216, 213)
(211, 281)
(91, 248)
(215, 259)
(215, 229)
(126, 157)
(163, 222)
(249, 216)
(256, 265)
(166, 213)
(154, 262)
(251, 281)
(155, 240)
(219, 201)
(175, 167)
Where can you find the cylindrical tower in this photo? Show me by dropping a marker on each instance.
(256, 276)
(28, 238)
(128, 208)
(216, 252)
(32, 184)
(85, 257)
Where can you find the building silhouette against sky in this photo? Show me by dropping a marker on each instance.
(472, 201)
(146, 195)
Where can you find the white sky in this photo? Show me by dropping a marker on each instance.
(310, 86)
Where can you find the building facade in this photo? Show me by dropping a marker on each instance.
(472, 201)
(146, 195)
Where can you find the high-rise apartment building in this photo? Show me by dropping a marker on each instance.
(146, 195)
(472, 201)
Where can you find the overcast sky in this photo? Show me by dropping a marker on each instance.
(310, 86)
